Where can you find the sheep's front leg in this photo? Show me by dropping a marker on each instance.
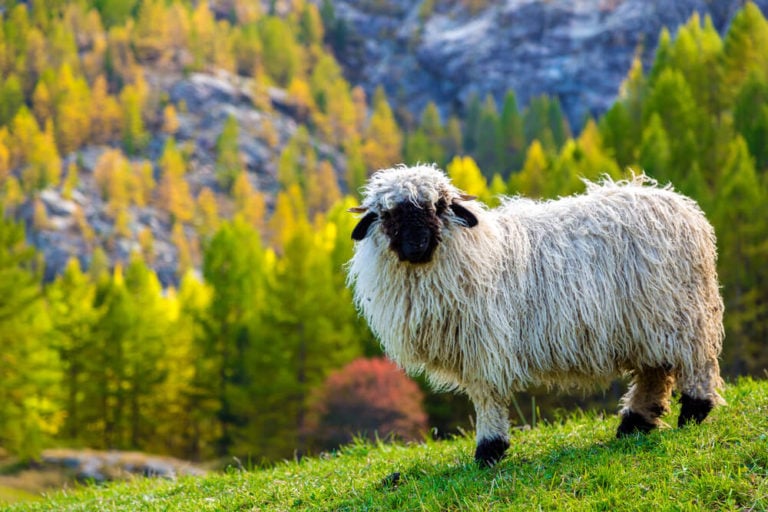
(492, 424)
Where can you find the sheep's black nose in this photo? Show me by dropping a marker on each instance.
(416, 249)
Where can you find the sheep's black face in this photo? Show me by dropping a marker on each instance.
(413, 231)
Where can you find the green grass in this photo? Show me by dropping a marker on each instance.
(575, 465)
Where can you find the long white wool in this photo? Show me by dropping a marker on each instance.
(567, 292)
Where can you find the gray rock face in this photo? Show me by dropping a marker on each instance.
(101, 466)
(204, 102)
(578, 51)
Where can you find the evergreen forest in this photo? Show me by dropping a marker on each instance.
(245, 352)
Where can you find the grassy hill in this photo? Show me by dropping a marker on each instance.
(576, 464)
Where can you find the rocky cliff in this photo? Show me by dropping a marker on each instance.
(208, 99)
(578, 51)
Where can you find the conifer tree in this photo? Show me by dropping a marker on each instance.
(532, 180)
(135, 136)
(11, 98)
(453, 138)
(741, 225)
(750, 118)
(282, 55)
(426, 143)
(512, 138)
(744, 49)
(313, 319)
(106, 113)
(322, 189)
(671, 98)
(29, 409)
(471, 123)
(234, 268)
(74, 316)
(466, 175)
(206, 213)
(35, 149)
(73, 120)
(249, 202)
(383, 141)
(228, 161)
(174, 192)
(654, 153)
(356, 170)
(488, 147)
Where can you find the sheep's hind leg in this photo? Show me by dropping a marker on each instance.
(492, 425)
(699, 394)
(646, 401)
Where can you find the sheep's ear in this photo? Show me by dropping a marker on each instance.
(464, 214)
(361, 230)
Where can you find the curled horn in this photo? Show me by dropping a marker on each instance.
(358, 209)
(467, 197)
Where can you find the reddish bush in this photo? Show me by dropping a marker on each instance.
(368, 397)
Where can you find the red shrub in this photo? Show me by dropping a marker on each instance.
(368, 397)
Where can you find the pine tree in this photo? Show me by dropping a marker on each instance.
(617, 130)
(512, 138)
(383, 140)
(35, 149)
(71, 299)
(744, 49)
(453, 138)
(471, 123)
(113, 177)
(750, 118)
(135, 136)
(532, 180)
(174, 192)
(249, 202)
(310, 317)
(170, 120)
(322, 189)
(72, 117)
(106, 113)
(228, 161)
(202, 32)
(311, 32)
(671, 99)
(206, 213)
(151, 33)
(234, 268)
(356, 170)
(29, 409)
(466, 175)
(283, 58)
(740, 224)
(488, 146)
(115, 12)
(654, 153)
(11, 98)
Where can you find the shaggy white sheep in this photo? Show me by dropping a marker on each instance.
(569, 293)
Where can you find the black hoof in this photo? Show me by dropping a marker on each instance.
(693, 409)
(632, 423)
(490, 451)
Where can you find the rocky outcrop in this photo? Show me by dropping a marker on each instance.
(578, 51)
(204, 102)
(101, 466)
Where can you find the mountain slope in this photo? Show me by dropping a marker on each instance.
(579, 52)
(574, 465)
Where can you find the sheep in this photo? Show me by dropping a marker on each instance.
(567, 293)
